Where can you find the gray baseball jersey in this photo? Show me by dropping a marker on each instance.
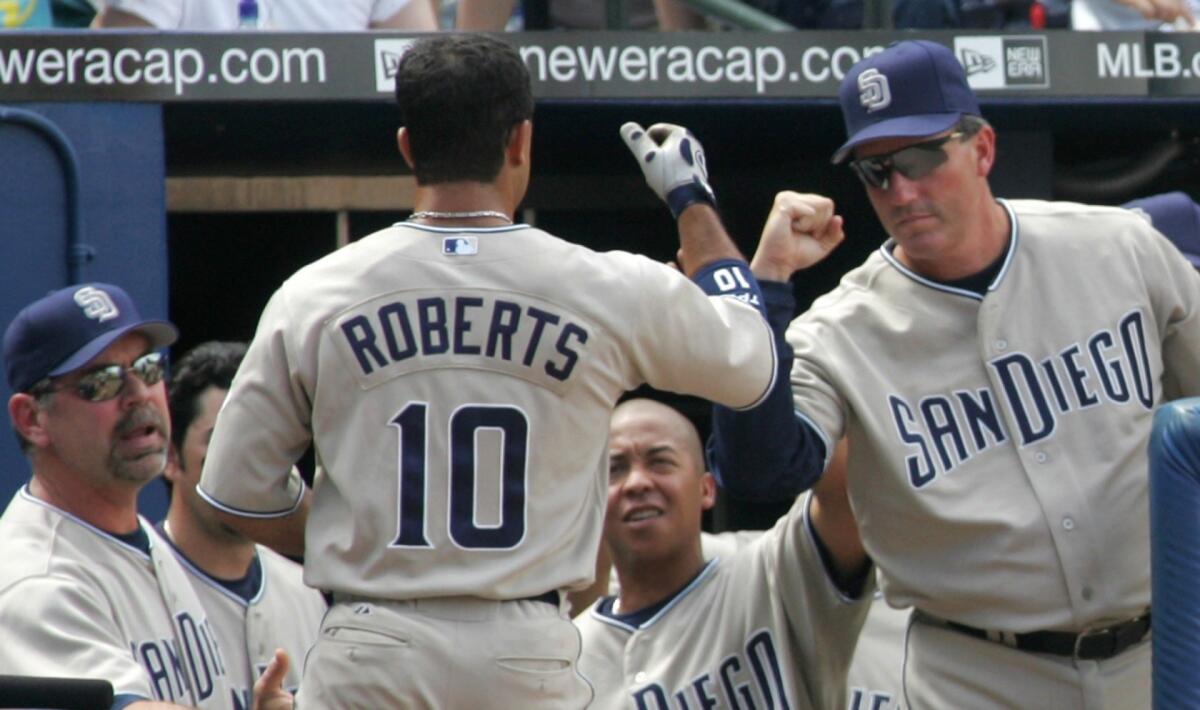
(999, 463)
(270, 609)
(784, 638)
(875, 679)
(457, 384)
(78, 602)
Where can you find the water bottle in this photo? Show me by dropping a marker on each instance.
(248, 14)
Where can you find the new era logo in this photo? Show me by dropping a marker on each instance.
(873, 91)
(1004, 62)
(96, 304)
(388, 53)
(976, 62)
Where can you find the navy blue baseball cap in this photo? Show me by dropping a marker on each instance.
(912, 89)
(68, 328)
(1178, 217)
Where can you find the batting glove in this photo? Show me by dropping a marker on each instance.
(673, 162)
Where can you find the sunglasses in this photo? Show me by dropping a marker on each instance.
(913, 162)
(104, 383)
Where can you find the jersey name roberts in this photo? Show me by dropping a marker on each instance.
(417, 330)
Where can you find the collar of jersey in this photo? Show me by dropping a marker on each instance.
(255, 574)
(29, 496)
(461, 230)
(889, 257)
(607, 617)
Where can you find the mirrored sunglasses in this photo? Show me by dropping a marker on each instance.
(104, 383)
(913, 162)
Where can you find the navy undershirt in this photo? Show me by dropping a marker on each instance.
(138, 538)
(641, 616)
(245, 588)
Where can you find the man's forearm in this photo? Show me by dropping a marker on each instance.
(285, 535)
(765, 453)
(703, 239)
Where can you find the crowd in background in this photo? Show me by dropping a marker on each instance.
(520, 15)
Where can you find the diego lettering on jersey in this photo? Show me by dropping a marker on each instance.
(864, 699)
(1111, 367)
(173, 671)
(410, 331)
(749, 679)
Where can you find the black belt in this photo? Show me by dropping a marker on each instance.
(1089, 645)
(550, 597)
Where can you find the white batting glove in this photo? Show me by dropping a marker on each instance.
(673, 162)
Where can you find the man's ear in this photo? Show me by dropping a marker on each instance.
(520, 143)
(985, 150)
(405, 146)
(174, 470)
(708, 491)
(25, 414)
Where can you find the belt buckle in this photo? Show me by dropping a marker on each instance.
(1086, 636)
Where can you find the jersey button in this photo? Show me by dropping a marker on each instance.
(1068, 523)
(1040, 457)
(1001, 344)
(640, 677)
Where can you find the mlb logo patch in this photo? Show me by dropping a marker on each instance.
(460, 246)
(388, 53)
(1004, 62)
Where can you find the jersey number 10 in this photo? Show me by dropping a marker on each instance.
(412, 424)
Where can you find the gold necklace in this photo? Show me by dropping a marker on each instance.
(432, 214)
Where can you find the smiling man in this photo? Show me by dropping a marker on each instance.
(771, 622)
(995, 365)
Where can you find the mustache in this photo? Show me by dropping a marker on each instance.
(141, 418)
(915, 208)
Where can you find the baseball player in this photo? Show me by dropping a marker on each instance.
(876, 669)
(995, 365)
(87, 588)
(255, 597)
(874, 681)
(1177, 216)
(787, 609)
(458, 398)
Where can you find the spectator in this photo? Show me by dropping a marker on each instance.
(1143, 15)
(25, 15)
(494, 15)
(73, 13)
(282, 15)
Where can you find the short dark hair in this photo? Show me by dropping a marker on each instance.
(460, 96)
(210, 364)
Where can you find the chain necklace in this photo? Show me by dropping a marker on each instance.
(429, 214)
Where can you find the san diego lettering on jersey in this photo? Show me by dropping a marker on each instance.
(174, 672)
(748, 680)
(417, 330)
(1112, 367)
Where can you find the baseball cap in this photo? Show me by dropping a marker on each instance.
(912, 89)
(65, 330)
(1176, 216)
